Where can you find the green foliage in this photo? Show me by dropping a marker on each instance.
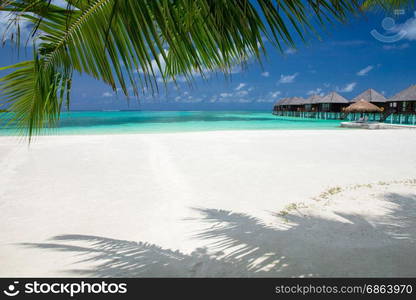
(125, 43)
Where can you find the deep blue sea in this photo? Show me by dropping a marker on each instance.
(116, 122)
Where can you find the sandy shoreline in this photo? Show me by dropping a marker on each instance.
(155, 204)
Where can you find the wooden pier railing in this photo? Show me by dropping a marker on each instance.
(387, 117)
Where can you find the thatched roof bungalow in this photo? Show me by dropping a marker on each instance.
(314, 99)
(280, 105)
(333, 102)
(285, 104)
(363, 106)
(403, 102)
(277, 105)
(311, 103)
(297, 101)
(294, 103)
(333, 105)
(371, 96)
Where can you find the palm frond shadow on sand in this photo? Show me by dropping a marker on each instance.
(240, 245)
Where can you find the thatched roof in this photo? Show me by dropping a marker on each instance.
(408, 94)
(313, 99)
(277, 103)
(362, 106)
(298, 101)
(370, 95)
(286, 101)
(280, 102)
(333, 98)
(294, 101)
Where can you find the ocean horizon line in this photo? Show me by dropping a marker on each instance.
(167, 110)
(101, 122)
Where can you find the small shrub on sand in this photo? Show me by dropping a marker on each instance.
(290, 207)
(330, 192)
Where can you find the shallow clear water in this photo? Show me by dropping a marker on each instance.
(115, 122)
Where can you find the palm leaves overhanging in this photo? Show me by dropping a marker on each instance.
(125, 43)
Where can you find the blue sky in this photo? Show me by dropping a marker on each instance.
(347, 59)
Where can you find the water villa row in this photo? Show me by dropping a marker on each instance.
(400, 109)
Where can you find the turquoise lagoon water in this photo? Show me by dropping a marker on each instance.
(116, 122)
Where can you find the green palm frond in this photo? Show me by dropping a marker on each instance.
(126, 43)
(34, 95)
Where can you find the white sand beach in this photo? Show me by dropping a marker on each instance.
(226, 203)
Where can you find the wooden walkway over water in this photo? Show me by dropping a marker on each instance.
(392, 118)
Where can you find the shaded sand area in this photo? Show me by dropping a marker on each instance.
(243, 203)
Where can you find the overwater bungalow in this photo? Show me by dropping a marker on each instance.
(297, 103)
(333, 102)
(280, 105)
(289, 104)
(400, 109)
(373, 97)
(403, 102)
(311, 103)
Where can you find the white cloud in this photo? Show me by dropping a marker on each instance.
(178, 79)
(396, 47)
(25, 26)
(242, 93)
(348, 43)
(317, 91)
(230, 97)
(235, 95)
(4, 20)
(347, 88)
(7, 28)
(192, 100)
(188, 99)
(160, 68)
(287, 78)
(274, 95)
(155, 66)
(291, 51)
(107, 94)
(225, 95)
(269, 98)
(236, 69)
(365, 71)
(233, 70)
(265, 74)
(61, 3)
(240, 86)
(408, 28)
